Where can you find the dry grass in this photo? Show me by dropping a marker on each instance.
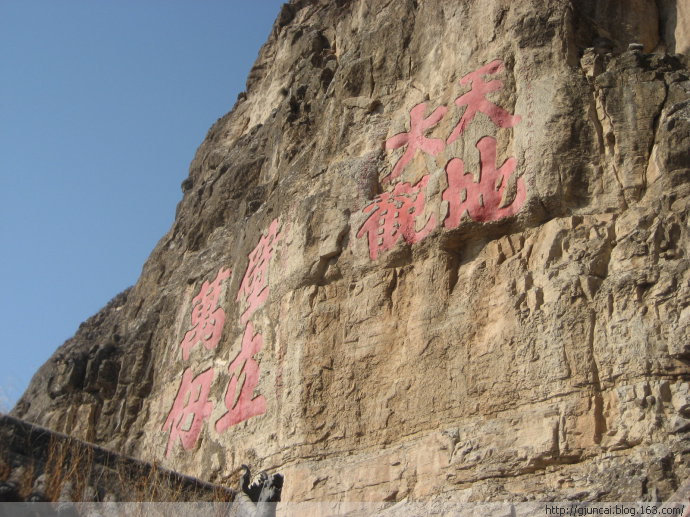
(149, 486)
(69, 469)
(57, 458)
(153, 485)
(157, 484)
(26, 480)
(222, 496)
(69, 466)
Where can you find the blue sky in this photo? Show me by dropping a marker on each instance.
(102, 106)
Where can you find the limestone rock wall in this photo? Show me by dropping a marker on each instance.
(437, 250)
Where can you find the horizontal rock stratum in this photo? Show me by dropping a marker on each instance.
(437, 251)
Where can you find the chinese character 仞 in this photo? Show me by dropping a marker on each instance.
(483, 201)
(254, 287)
(414, 139)
(394, 215)
(476, 100)
(207, 323)
(190, 409)
(239, 398)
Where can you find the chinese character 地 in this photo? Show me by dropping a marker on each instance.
(482, 200)
(394, 215)
(240, 401)
(207, 323)
(253, 290)
(190, 409)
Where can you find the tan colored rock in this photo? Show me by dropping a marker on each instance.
(675, 17)
(517, 332)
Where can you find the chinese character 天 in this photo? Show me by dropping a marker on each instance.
(476, 100)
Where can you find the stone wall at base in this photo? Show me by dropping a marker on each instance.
(39, 465)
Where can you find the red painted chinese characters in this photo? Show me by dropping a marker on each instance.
(243, 405)
(207, 318)
(254, 292)
(482, 200)
(476, 100)
(415, 139)
(190, 409)
(192, 406)
(394, 215)
(254, 287)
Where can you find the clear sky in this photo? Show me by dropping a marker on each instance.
(102, 106)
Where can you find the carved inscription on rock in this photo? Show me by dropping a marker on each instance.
(241, 403)
(394, 215)
(491, 194)
(483, 200)
(193, 404)
(415, 139)
(254, 287)
(207, 318)
(476, 100)
(190, 409)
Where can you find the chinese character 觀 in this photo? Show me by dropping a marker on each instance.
(394, 215)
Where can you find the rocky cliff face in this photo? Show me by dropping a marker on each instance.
(437, 250)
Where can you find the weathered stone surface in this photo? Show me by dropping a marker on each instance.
(536, 346)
